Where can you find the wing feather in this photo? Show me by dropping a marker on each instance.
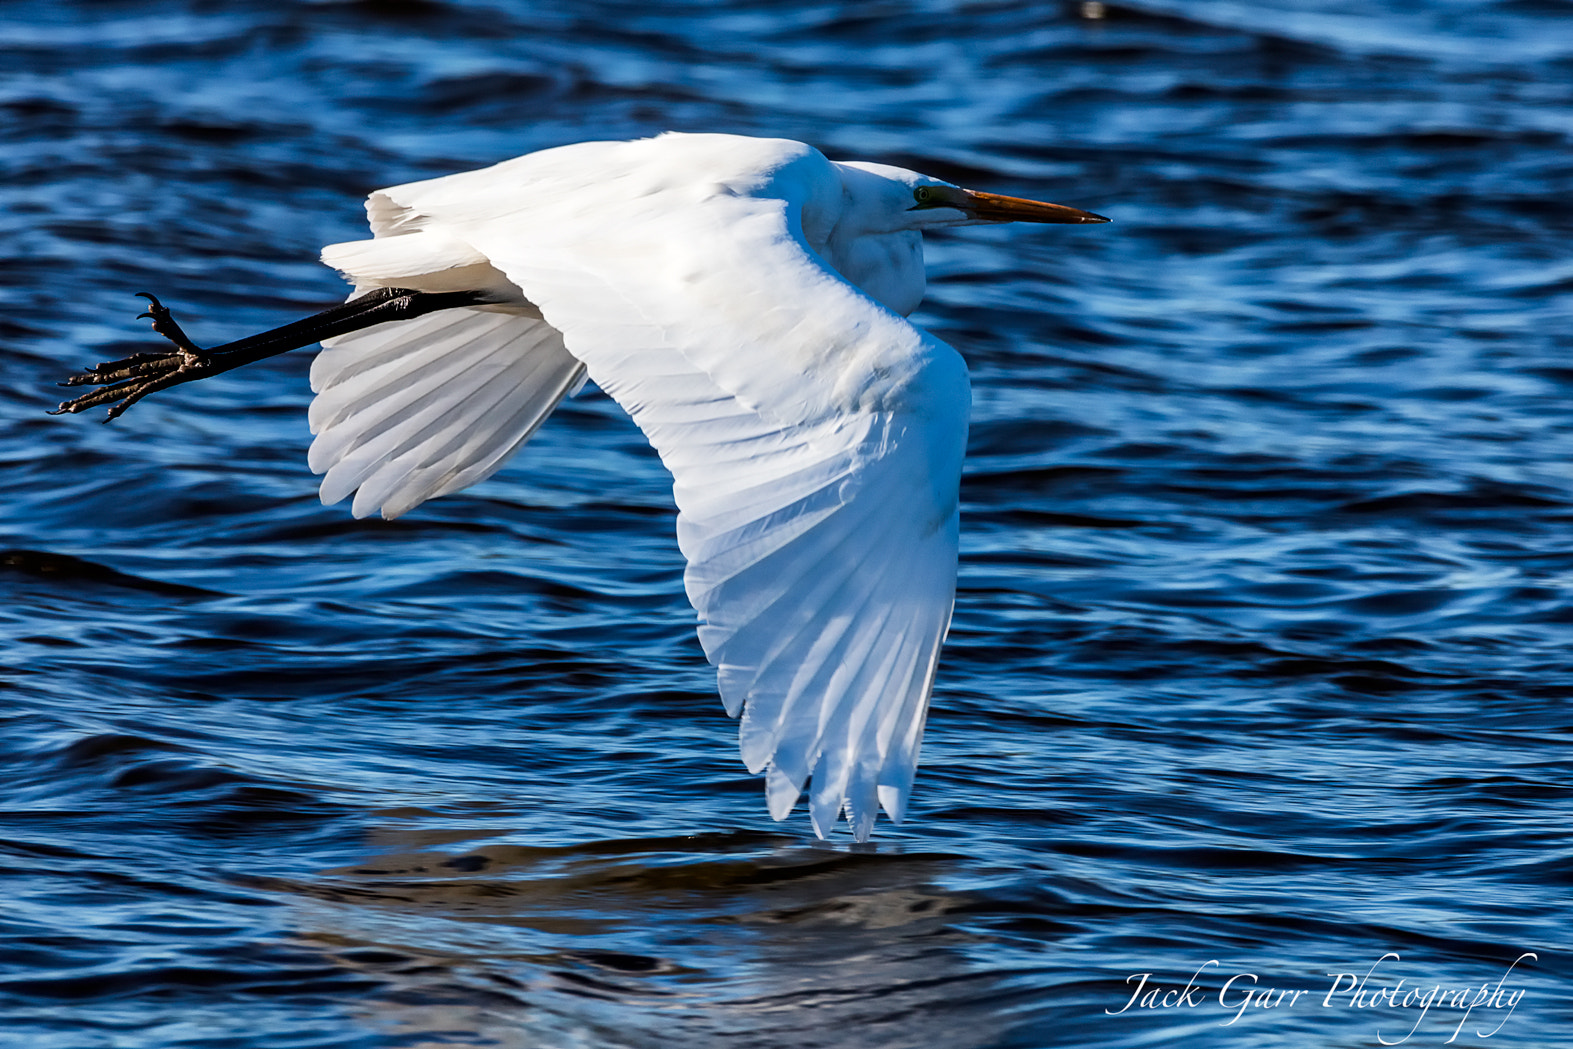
(814, 437)
(409, 411)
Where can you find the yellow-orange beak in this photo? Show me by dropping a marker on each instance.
(992, 207)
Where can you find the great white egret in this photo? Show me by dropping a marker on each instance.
(743, 300)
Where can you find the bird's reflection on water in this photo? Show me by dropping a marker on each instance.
(700, 940)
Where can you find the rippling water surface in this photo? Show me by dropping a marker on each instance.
(1261, 654)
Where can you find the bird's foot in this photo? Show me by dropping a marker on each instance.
(128, 380)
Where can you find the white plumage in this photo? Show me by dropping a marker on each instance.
(744, 301)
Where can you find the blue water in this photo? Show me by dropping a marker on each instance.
(1263, 647)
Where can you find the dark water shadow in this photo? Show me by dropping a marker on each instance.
(725, 939)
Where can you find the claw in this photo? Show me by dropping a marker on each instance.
(132, 378)
(129, 380)
(96, 398)
(126, 368)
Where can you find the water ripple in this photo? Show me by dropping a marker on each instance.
(1260, 651)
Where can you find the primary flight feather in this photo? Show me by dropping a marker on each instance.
(744, 300)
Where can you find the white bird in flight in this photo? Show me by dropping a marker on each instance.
(743, 300)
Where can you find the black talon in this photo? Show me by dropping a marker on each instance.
(164, 323)
(130, 379)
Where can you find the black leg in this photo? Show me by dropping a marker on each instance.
(127, 381)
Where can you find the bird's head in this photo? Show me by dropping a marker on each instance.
(892, 199)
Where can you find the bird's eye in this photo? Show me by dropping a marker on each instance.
(923, 194)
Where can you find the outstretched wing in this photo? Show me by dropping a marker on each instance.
(814, 438)
(411, 410)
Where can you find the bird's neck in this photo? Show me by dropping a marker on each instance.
(887, 267)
